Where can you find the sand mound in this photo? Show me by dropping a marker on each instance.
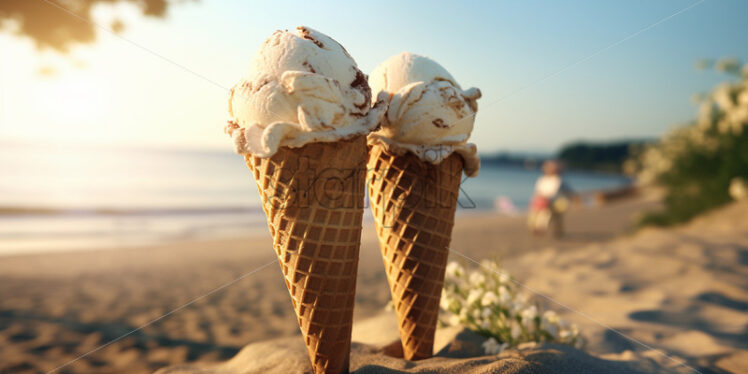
(463, 354)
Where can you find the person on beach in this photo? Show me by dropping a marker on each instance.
(549, 201)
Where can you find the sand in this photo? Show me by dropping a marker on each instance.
(462, 354)
(681, 290)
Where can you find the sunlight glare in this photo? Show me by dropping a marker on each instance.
(78, 97)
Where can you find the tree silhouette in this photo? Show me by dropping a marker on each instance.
(48, 24)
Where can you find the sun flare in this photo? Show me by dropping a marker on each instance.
(80, 98)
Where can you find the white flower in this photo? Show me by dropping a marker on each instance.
(505, 299)
(549, 323)
(474, 295)
(530, 313)
(565, 334)
(738, 189)
(568, 334)
(492, 346)
(519, 303)
(489, 298)
(504, 278)
(743, 97)
(477, 278)
(454, 269)
(528, 317)
(476, 314)
(485, 324)
(454, 320)
(723, 96)
(445, 300)
(516, 331)
(390, 306)
(550, 317)
(552, 329)
(517, 306)
(479, 300)
(575, 329)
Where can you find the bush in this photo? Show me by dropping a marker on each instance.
(603, 157)
(697, 163)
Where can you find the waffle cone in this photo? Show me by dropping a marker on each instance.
(414, 204)
(313, 199)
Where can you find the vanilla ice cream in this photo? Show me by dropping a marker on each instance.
(302, 87)
(429, 113)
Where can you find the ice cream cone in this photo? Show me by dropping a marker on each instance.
(313, 197)
(414, 203)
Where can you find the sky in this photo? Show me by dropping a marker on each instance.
(551, 72)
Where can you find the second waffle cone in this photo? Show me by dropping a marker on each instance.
(414, 204)
(313, 198)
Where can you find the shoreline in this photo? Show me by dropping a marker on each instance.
(112, 229)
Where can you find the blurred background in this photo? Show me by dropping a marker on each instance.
(112, 111)
(111, 136)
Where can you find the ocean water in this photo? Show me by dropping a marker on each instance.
(62, 197)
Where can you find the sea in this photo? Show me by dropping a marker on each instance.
(59, 197)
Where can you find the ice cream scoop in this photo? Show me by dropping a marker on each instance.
(429, 113)
(302, 87)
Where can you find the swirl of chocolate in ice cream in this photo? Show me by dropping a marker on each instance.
(302, 87)
(429, 113)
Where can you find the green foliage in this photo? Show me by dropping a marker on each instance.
(606, 157)
(698, 164)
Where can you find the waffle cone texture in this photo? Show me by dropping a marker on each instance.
(414, 204)
(313, 197)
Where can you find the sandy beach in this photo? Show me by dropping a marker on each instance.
(681, 290)
(181, 186)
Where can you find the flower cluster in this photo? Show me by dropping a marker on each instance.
(739, 189)
(697, 162)
(487, 301)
